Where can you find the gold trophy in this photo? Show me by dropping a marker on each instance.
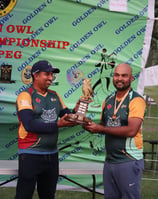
(80, 115)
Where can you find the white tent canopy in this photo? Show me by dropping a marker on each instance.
(151, 82)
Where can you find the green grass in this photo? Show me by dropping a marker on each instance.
(149, 191)
(8, 193)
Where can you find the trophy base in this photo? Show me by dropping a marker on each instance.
(78, 118)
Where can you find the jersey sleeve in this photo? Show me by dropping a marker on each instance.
(137, 108)
(24, 101)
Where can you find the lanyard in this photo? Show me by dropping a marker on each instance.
(116, 109)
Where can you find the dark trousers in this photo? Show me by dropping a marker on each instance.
(123, 180)
(40, 170)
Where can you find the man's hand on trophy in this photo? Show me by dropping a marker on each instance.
(64, 123)
(92, 127)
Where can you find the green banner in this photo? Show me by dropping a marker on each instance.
(79, 37)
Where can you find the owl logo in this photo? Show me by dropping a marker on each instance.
(74, 76)
(26, 75)
(6, 6)
(114, 122)
(49, 115)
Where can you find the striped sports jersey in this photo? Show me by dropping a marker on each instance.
(123, 149)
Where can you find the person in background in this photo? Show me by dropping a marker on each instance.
(38, 110)
(121, 119)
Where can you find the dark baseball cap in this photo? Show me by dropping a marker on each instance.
(44, 66)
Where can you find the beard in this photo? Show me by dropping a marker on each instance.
(124, 87)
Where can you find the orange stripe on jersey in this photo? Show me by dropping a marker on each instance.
(24, 101)
(22, 132)
(139, 113)
(139, 140)
(134, 110)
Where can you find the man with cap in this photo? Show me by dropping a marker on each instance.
(38, 110)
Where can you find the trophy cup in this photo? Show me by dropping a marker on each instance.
(80, 115)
